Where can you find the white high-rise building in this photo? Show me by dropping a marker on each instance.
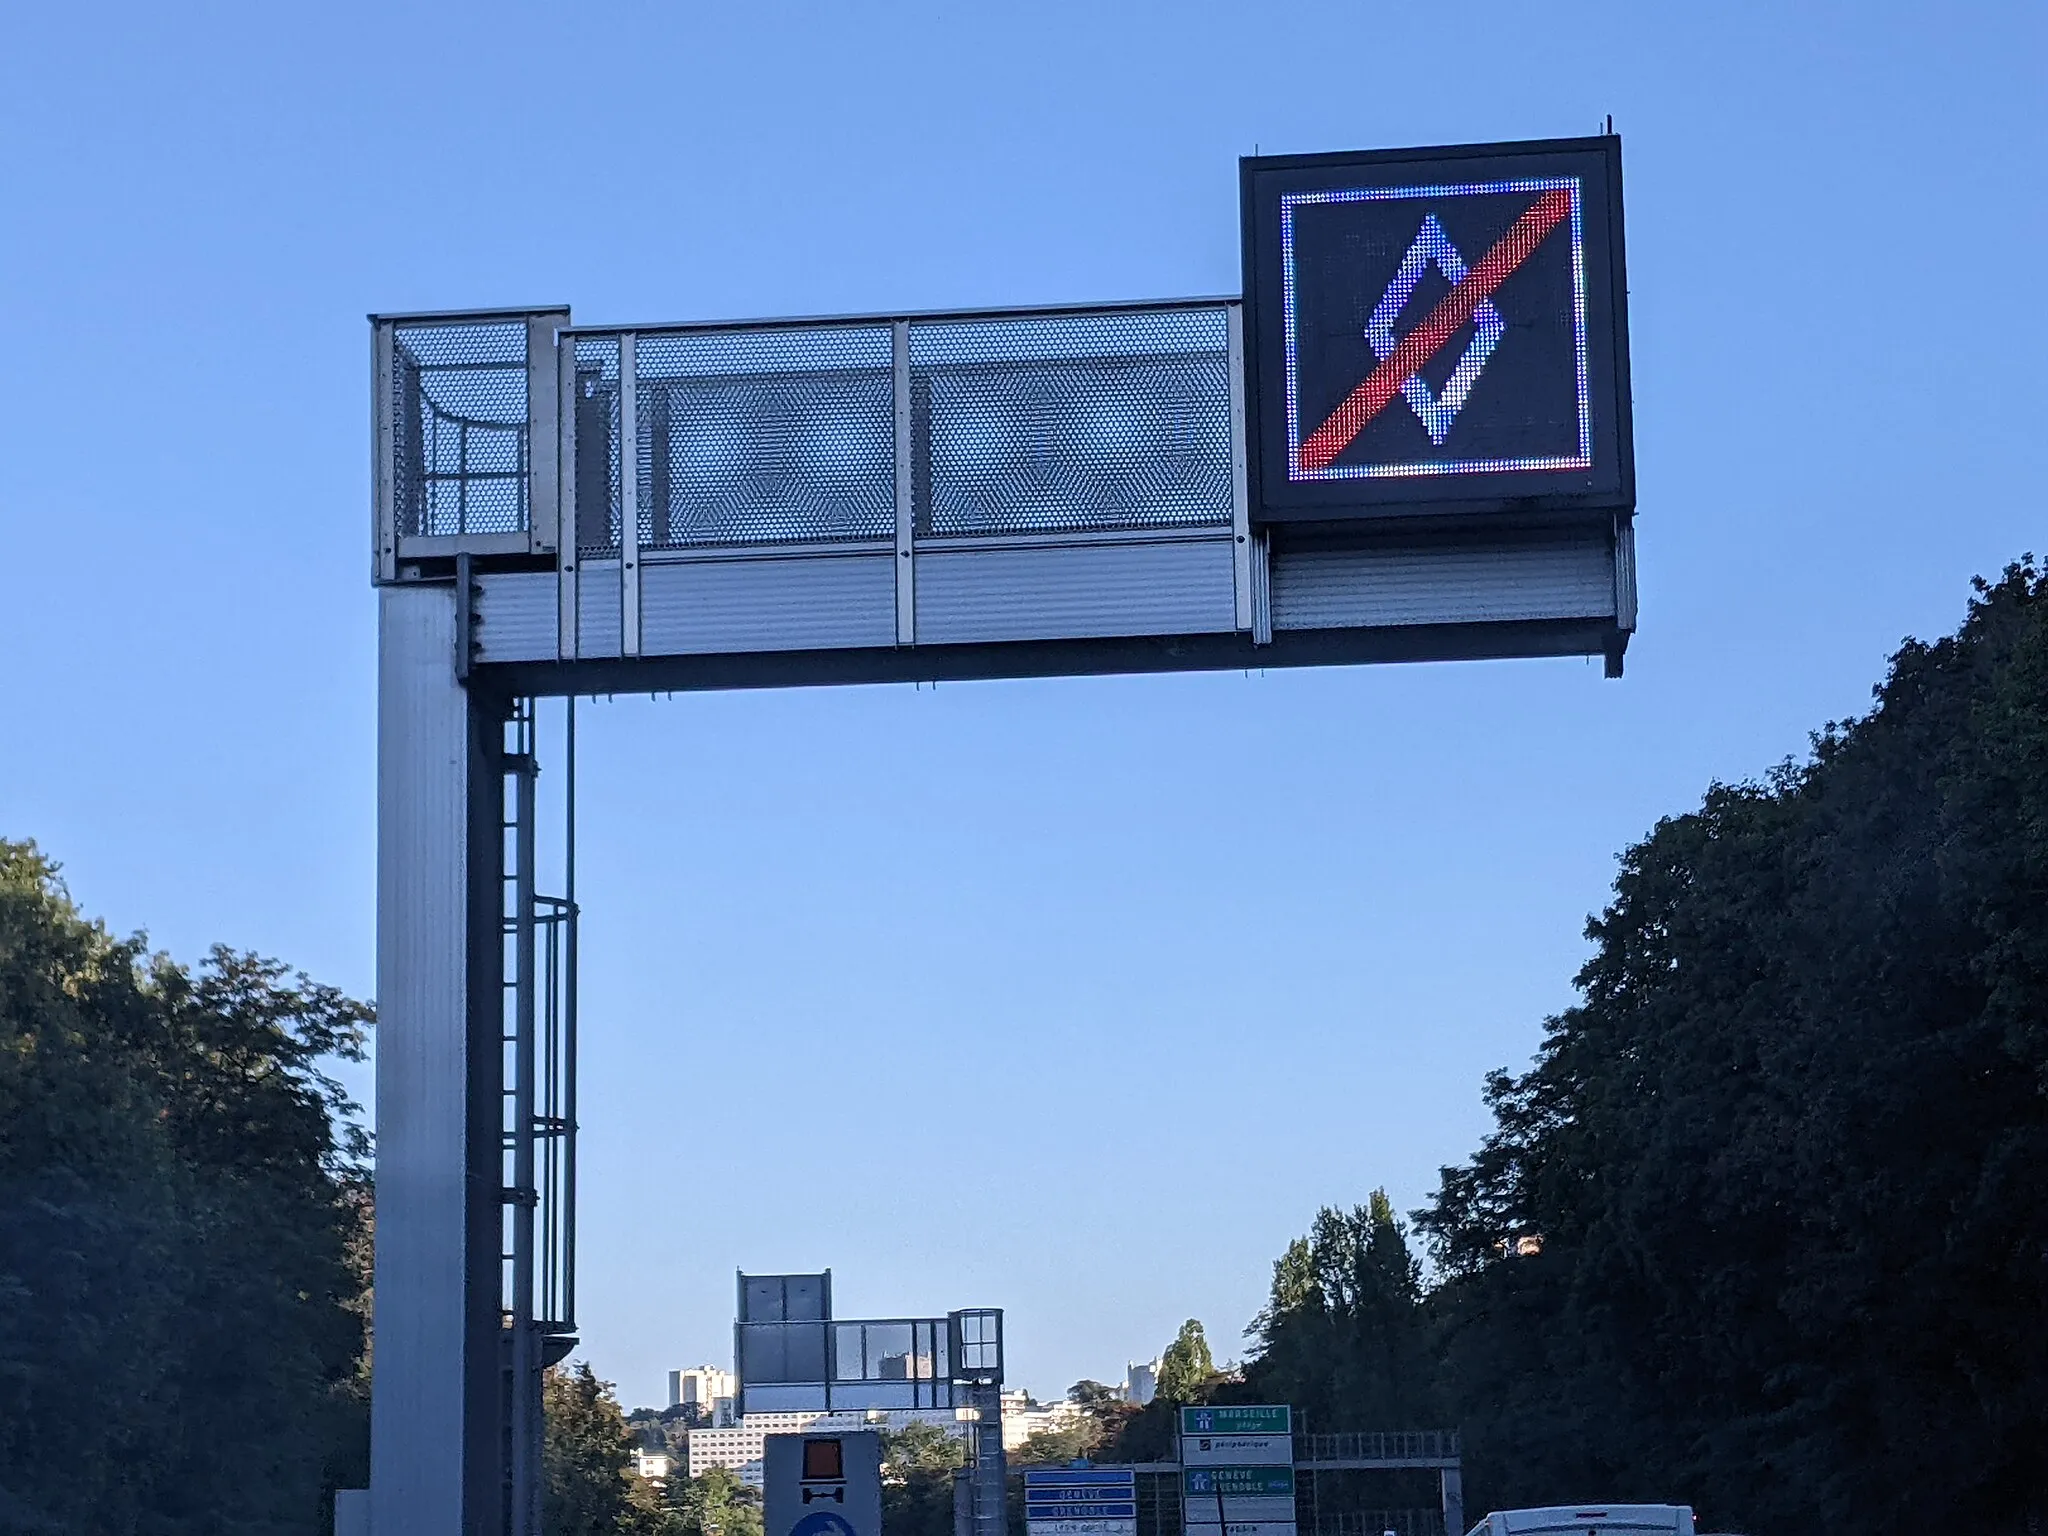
(1141, 1381)
(1023, 1418)
(742, 1446)
(701, 1385)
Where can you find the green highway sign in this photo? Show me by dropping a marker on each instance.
(1276, 1419)
(1239, 1482)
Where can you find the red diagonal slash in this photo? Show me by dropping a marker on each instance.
(1421, 344)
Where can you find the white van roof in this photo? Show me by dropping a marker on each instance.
(1663, 1519)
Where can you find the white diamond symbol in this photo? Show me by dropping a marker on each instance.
(1435, 412)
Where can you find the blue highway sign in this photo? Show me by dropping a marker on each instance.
(1089, 1494)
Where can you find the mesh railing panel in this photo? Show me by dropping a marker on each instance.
(765, 436)
(1379, 1445)
(1376, 1522)
(1111, 420)
(597, 445)
(458, 411)
(1021, 424)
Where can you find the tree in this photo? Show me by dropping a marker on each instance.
(1187, 1374)
(1784, 1156)
(1187, 1365)
(587, 1488)
(1344, 1336)
(1107, 1412)
(1092, 1429)
(183, 1232)
(1058, 1445)
(715, 1503)
(918, 1462)
(918, 1448)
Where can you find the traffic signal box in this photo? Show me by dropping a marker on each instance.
(824, 1485)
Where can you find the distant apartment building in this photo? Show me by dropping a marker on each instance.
(701, 1387)
(738, 1443)
(1141, 1381)
(741, 1447)
(1023, 1418)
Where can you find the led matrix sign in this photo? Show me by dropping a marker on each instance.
(1438, 330)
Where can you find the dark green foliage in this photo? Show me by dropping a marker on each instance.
(1147, 1434)
(1057, 1446)
(1343, 1337)
(668, 1429)
(587, 1486)
(1106, 1413)
(183, 1243)
(715, 1504)
(918, 1462)
(1187, 1365)
(1187, 1374)
(1788, 1157)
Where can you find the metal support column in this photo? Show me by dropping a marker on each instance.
(538, 1114)
(522, 1195)
(906, 478)
(560, 1300)
(629, 498)
(1240, 481)
(434, 1433)
(991, 1465)
(1451, 1485)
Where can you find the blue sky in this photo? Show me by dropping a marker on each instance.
(1071, 997)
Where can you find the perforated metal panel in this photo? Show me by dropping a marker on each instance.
(459, 427)
(1103, 420)
(765, 436)
(596, 428)
(884, 484)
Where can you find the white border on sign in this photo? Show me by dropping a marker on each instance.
(1292, 200)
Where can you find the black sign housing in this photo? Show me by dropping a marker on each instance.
(1437, 331)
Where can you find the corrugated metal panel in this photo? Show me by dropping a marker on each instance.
(1566, 575)
(423, 1065)
(517, 616)
(1625, 576)
(1078, 592)
(1262, 591)
(822, 602)
(597, 608)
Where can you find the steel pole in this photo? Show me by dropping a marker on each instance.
(526, 1366)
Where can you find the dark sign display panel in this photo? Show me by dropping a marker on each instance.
(1438, 330)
